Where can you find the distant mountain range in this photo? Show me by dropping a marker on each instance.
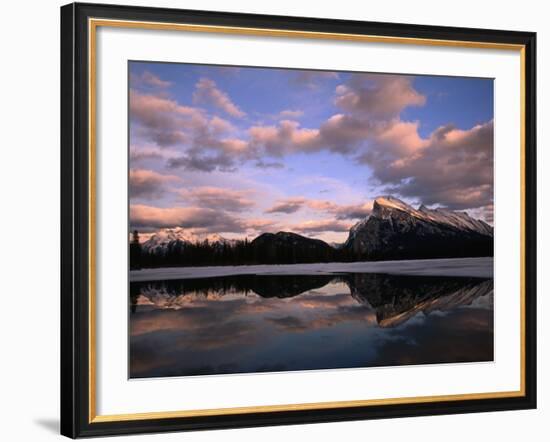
(168, 239)
(394, 230)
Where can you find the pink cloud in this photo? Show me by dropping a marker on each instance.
(220, 126)
(146, 78)
(164, 120)
(402, 136)
(290, 113)
(312, 79)
(150, 152)
(287, 137)
(378, 95)
(260, 225)
(318, 226)
(342, 132)
(288, 205)
(339, 211)
(153, 109)
(201, 219)
(148, 183)
(453, 167)
(206, 91)
(219, 198)
(208, 142)
(197, 220)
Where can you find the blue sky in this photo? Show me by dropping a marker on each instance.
(262, 149)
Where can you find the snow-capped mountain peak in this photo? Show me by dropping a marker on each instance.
(395, 229)
(161, 239)
(384, 205)
(393, 203)
(460, 220)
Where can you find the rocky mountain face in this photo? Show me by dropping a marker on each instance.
(396, 230)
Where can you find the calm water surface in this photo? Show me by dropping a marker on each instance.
(250, 323)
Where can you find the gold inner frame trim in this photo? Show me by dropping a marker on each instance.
(93, 24)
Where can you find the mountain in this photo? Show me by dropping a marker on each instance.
(397, 298)
(175, 238)
(396, 230)
(290, 248)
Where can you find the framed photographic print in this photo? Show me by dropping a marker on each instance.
(278, 220)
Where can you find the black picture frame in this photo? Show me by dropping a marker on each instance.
(75, 221)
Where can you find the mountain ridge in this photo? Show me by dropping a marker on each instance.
(166, 237)
(393, 230)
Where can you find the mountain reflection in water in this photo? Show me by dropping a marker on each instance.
(256, 323)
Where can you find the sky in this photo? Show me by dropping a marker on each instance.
(239, 151)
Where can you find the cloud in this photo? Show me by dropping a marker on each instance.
(148, 184)
(202, 163)
(148, 79)
(197, 219)
(208, 153)
(145, 153)
(285, 138)
(159, 112)
(269, 164)
(340, 212)
(452, 168)
(371, 103)
(208, 143)
(400, 137)
(378, 95)
(484, 212)
(226, 152)
(163, 120)
(261, 225)
(206, 91)
(343, 132)
(168, 123)
(319, 226)
(220, 126)
(288, 205)
(218, 198)
(201, 219)
(289, 113)
(354, 211)
(312, 79)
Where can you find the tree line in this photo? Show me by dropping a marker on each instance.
(240, 252)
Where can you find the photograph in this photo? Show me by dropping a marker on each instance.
(286, 219)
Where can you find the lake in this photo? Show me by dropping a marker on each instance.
(271, 323)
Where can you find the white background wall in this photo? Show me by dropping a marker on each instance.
(29, 189)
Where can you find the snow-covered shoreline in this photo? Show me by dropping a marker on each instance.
(473, 267)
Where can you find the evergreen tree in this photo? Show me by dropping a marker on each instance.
(135, 251)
